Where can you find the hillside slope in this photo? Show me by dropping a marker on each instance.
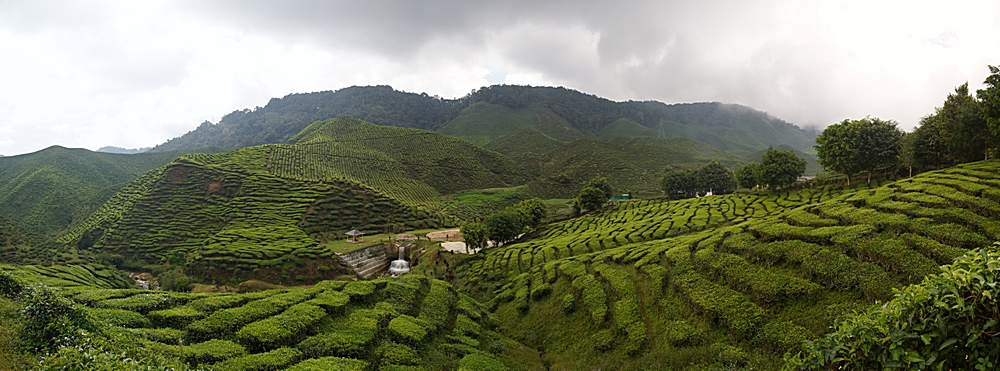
(731, 280)
(48, 191)
(407, 324)
(629, 163)
(267, 212)
(494, 111)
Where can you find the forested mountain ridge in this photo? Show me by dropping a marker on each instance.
(48, 191)
(723, 126)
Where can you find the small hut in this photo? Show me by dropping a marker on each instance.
(355, 234)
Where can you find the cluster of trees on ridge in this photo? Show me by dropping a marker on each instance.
(965, 128)
(505, 225)
(776, 169)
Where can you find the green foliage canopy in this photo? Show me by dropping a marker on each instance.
(852, 146)
(779, 168)
(476, 235)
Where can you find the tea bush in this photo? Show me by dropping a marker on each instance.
(275, 360)
(330, 363)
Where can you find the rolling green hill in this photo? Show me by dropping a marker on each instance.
(267, 212)
(49, 191)
(629, 163)
(494, 111)
(732, 281)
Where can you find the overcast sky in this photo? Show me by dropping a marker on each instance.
(136, 73)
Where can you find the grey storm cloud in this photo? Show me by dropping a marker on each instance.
(138, 73)
(769, 54)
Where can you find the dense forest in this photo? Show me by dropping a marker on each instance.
(724, 126)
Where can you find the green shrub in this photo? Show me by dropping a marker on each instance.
(277, 359)
(765, 283)
(480, 362)
(945, 322)
(391, 367)
(594, 298)
(348, 342)
(742, 316)
(436, 307)
(781, 336)
(142, 303)
(160, 335)
(216, 302)
(214, 350)
(10, 287)
(118, 317)
(603, 339)
(177, 317)
(466, 326)
(941, 253)
(680, 333)
(332, 301)
(399, 354)
(540, 291)
(282, 328)
(359, 289)
(330, 363)
(407, 329)
(50, 320)
(227, 321)
(573, 268)
(569, 303)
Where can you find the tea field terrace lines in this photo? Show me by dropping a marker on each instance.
(763, 280)
(644, 220)
(411, 323)
(217, 215)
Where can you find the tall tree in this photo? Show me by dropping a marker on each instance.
(989, 103)
(928, 146)
(590, 199)
(678, 183)
(779, 168)
(535, 212)
(475, 234)
(717, 178)
(503, 226)
(852, 146)
(746, 175)
(907, 157)
(602, 184)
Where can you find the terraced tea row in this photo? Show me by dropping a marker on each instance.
(645, 220)
(719, 291)
(410, 323)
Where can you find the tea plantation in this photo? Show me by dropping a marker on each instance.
(410, 323)
(264, 212)
(732, 281)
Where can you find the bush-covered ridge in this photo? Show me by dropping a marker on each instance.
(729, 280)
(49, 191)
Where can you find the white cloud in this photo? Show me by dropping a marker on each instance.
(134, 74)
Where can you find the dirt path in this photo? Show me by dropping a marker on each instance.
(450, 235)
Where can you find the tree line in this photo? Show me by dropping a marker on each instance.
(965, 128)
(505, 225)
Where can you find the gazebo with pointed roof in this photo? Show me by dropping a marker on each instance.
(354, 233)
